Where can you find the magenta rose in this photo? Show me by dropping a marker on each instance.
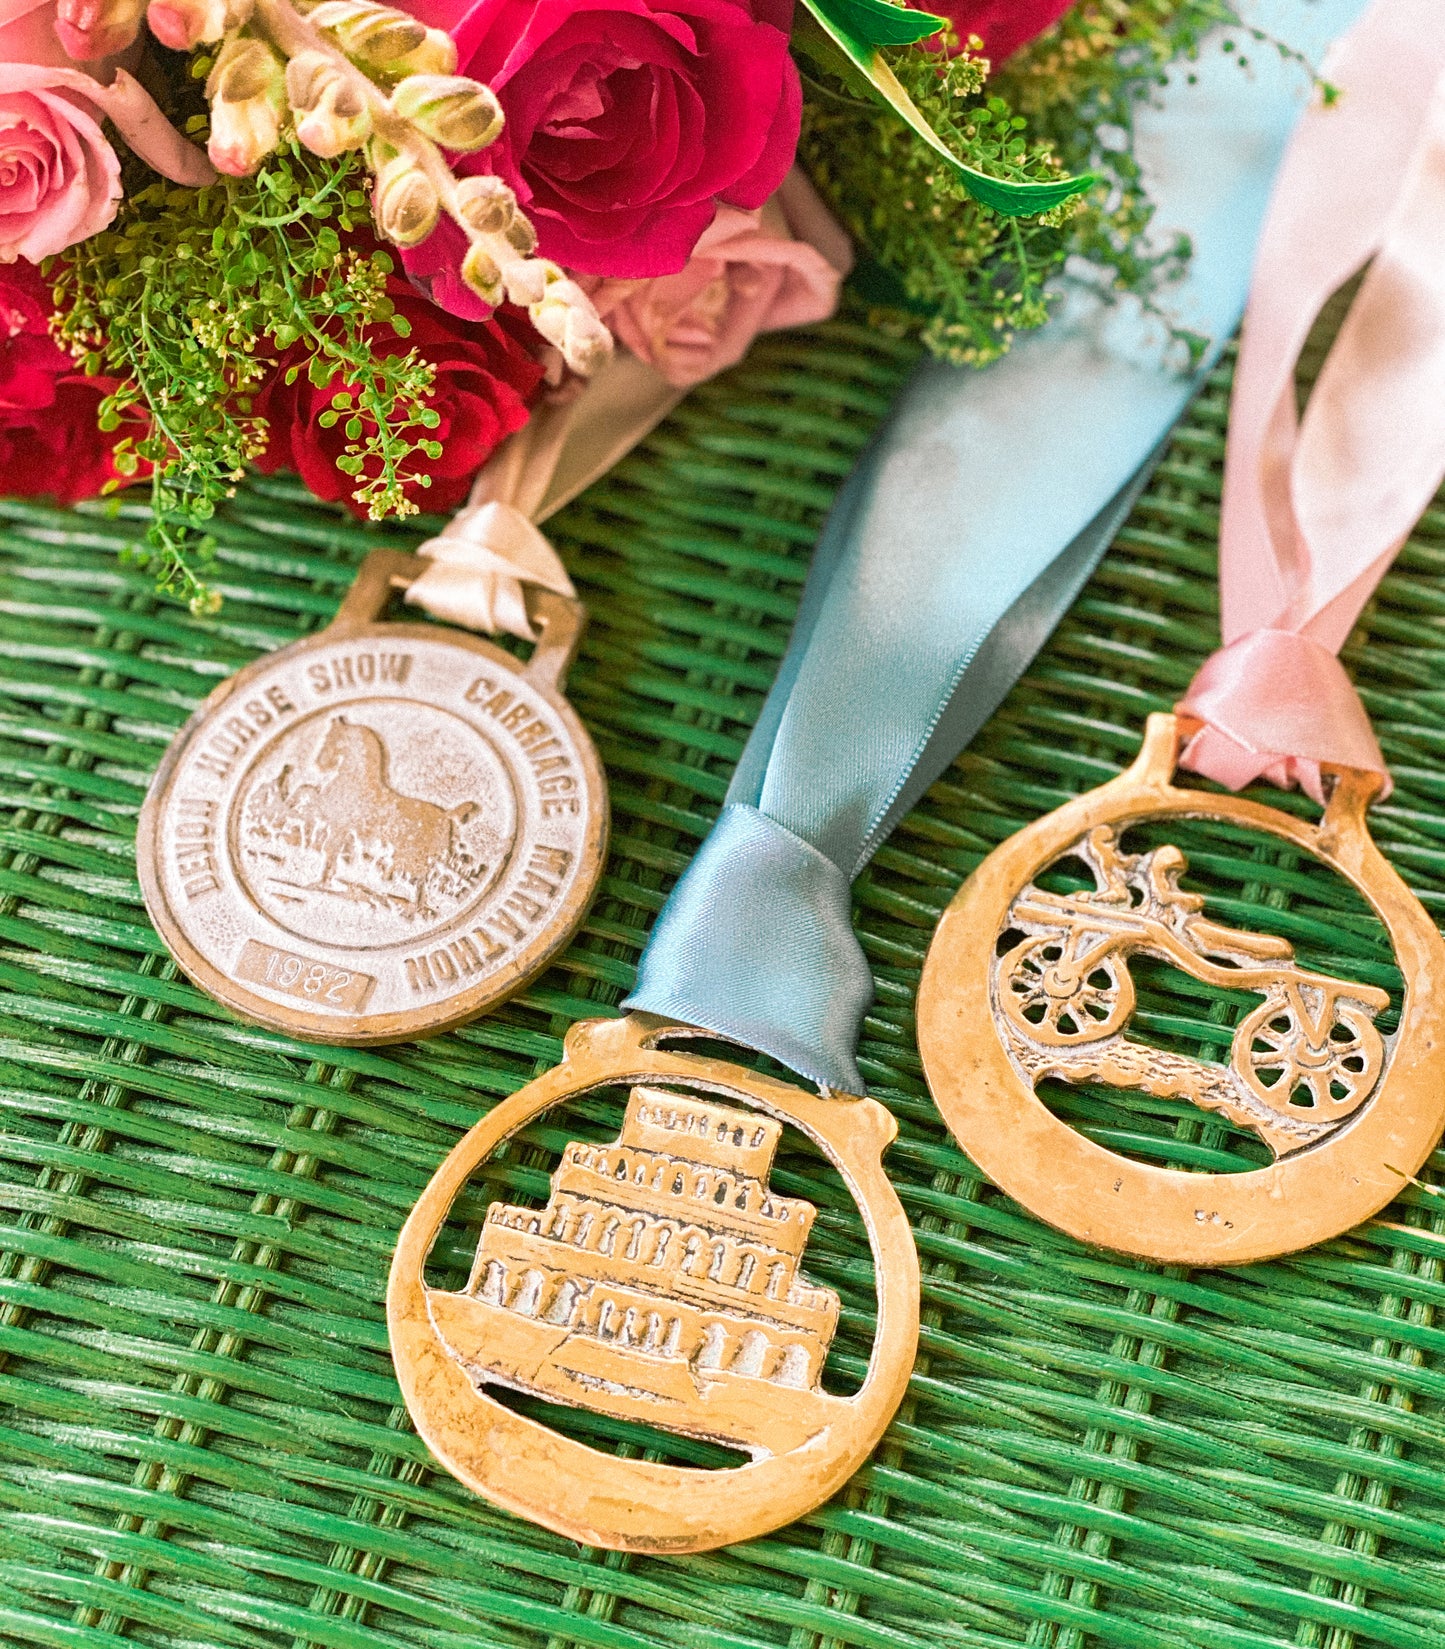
(50, 441)
(1004, 26)
(629, 122)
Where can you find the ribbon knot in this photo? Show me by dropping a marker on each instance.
(479, 563)
(1276, 704)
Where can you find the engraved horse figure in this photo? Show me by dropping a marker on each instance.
(365, 830)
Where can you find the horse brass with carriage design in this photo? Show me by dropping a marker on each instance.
(1027, 982)
(381, 830)
(1303, 1060)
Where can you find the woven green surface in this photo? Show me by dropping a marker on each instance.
(202, 1443)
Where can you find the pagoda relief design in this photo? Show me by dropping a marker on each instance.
(660, 1283)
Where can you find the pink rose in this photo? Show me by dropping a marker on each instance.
(628, 121)
(59, 178)
(751, 272)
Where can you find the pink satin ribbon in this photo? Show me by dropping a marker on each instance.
(1316, 509)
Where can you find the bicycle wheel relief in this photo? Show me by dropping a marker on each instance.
(1300, 1063)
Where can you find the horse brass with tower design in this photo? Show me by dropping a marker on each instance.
(662, 1283)
(1023, 984)
(379, 831)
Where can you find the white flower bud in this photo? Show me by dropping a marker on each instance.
(247, 89)
(331, 110)
(565, 317)
(485, 204)
(404, 202)
(184, 24)
(385, 41)
(451, 110)
(528, 278)
(521, 235)
(93, 28)
(437, 54)
(480, 272)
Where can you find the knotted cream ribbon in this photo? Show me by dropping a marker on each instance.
(1314, 511)
(483, 557)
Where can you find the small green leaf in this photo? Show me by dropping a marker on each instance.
(1009, 199)
(868, 23)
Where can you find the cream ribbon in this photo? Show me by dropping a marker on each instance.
(482, 559)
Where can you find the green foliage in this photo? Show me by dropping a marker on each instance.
(952, 268)
(190, 297)
(844, 39)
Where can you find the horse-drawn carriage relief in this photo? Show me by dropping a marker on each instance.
(1300, 1063)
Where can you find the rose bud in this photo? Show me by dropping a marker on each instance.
(404, 201)
(485, 203)
(385, 41)
(247, 89)
(456, 113)
(182, 24)
(331, 112)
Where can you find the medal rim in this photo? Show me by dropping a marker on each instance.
(618, 1504)
(1174, 1216)
(363, 1030)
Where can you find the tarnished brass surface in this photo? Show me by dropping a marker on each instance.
(662, 1283)
(381, 831)
(1021, 985)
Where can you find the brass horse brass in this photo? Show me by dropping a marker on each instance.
(661, 1283)
(1023, 984)
(382, 830)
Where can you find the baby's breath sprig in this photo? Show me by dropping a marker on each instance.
(940, 264)
(189, 298)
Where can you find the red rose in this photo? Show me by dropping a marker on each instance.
(50, 442)
(1003, 25)
(485, 378)
(628, 121)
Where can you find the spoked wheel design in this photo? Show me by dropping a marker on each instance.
(1057, 993)
(1308, 1052)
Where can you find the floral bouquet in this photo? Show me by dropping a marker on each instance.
(365, 243)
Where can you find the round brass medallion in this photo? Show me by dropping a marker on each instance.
(1022, 985)
(662, 1283)
(378, 832)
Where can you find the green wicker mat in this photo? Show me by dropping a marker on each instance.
(201, 1443)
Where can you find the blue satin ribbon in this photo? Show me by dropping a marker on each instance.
(952, 551)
